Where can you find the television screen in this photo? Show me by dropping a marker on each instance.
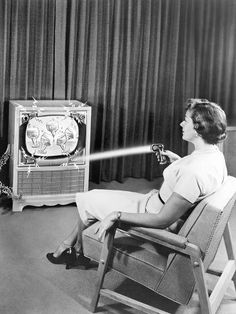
(51, 135)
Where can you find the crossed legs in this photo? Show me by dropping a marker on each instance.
(70, 251)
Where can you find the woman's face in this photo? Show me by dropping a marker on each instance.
(189, 133)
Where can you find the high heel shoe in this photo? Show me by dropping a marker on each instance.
(80, 261)
(65, 256)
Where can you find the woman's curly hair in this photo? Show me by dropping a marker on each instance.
(209, 120)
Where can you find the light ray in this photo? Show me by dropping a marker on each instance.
(120, 152)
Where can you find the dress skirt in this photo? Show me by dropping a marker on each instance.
(98, 203)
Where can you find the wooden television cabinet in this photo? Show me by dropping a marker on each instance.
(49, 140)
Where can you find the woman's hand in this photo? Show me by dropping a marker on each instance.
(170, 155)
(105, 225)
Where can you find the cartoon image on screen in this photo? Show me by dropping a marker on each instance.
(50, 136)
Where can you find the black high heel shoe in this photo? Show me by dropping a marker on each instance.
(80, 261)
(65, 257)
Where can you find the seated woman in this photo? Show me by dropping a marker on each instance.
(187, 180)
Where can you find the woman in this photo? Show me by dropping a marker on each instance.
(187, 180)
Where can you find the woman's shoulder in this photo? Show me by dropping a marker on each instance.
(199, 164)
(205, 158)
(196, 164)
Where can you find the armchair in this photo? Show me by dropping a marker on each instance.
(172, 265)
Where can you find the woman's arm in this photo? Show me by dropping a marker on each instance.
(171, 156)
(173, 209)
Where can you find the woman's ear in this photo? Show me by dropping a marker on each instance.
(196, 126)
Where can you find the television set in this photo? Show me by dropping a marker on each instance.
(49, 141)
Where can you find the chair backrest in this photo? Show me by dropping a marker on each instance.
(207, 223)
(204, 227)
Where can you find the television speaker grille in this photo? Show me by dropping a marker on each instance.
(51, 182)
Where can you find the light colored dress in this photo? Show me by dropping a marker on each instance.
(193, 177)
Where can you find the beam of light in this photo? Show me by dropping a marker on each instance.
(120, 152)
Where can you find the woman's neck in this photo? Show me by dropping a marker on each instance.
(200, 144)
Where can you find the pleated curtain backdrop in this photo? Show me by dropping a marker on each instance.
(134, 61)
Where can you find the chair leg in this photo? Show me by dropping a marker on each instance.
(102, 268)
(209, 305)
(199, 275)
(229, 248)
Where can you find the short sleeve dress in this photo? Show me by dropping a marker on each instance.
(193, 177)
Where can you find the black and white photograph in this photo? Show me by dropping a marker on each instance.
(118, 156)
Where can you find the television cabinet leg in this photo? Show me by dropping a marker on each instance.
(17, 206)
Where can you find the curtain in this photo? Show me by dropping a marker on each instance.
(135, 62)
(26, 52)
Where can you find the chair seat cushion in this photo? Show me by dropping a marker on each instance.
(139, 260)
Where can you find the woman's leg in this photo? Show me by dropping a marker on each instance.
(74, 239)
(69, 252)
(67, 243)
(78, 243)
(94, 205)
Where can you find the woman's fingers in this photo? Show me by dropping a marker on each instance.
(100, 230)
(96, 230)
(103, 227)
(101, 235)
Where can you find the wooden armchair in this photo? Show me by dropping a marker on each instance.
(172, 265)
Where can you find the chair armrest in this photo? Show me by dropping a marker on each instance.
(156, 235)
(164, 238)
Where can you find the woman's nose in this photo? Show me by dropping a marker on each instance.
(182, 123)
